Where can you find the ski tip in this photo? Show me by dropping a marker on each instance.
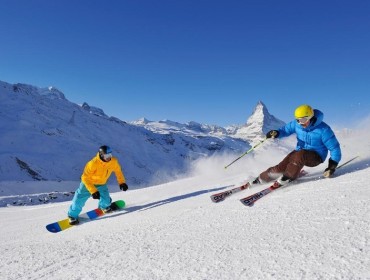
(246, 202)
(216, 200)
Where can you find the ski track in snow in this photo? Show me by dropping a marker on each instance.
(315, 229)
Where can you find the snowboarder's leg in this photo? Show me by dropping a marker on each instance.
(105, 199)
(79, 200)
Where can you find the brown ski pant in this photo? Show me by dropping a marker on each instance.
(291, 165)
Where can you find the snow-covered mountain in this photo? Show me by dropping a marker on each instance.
(46, 137)
(258, 124)
(190, 128)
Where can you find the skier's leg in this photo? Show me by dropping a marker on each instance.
(274, 172)
(298, 160)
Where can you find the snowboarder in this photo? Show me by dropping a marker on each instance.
(94, 183)
(315, 139)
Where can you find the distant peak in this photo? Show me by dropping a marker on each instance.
(260, 103)
(85, 106)
(93, 110)
(260, 107)
(259, 122)
(260, 112)
(142, 120)
(49, 92)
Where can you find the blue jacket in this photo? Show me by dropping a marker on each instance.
(318, 136)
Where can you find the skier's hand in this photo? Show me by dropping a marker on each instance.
(272, 134)
(123, 187)
(96, 195)
(331, 168)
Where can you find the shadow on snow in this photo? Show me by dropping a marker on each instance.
(163, 202)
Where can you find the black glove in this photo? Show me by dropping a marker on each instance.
(331, 168)
(96, 195)
(272, 134)
(123, 187)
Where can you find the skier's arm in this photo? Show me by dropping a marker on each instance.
(284, 131)
(332, 144)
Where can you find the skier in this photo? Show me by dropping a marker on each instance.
(315, 139)
(94, 183)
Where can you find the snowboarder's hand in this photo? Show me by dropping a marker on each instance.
(272, 134)
(123, 187)
(331, 168)
(96, 195)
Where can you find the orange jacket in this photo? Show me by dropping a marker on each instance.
(97, 172)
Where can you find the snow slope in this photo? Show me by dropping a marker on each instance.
(315, 228)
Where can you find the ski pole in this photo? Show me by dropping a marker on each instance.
(247, 152)
(348, 161)
(327, 174)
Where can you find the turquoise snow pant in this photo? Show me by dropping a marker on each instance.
(82, 195)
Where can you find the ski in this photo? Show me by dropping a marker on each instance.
(251, 199)
(218, 197)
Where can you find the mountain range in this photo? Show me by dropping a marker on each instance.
(44, 136)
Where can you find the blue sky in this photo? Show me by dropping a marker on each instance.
(206, 61)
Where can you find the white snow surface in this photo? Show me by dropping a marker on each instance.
(315, 228)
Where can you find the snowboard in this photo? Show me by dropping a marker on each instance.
(85, 217)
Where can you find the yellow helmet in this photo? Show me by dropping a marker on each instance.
(303, 111)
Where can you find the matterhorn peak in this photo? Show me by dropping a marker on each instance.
(260, 116)
(141, 121)
(260, 113)
(259, 123)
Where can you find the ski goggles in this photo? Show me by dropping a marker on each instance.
(303, 120)
(107, 156)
